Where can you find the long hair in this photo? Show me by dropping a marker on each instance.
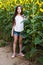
(17, 13)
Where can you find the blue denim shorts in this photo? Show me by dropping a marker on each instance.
(17, 33)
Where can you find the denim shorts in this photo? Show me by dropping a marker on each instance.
(17, 33)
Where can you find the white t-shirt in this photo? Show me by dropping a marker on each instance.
(19, 24)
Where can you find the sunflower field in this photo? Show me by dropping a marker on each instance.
(33, 25)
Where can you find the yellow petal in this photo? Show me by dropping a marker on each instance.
(15, 1)
(31, 0)
(20, 1)
(12, 5)
(0, 4)
(41, 9)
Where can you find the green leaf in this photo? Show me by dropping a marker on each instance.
(33, 51)
(32, 32)
(40, 59)
(40, 33)
(38, 41)
(28, 31)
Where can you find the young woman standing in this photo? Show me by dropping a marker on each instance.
(17, 28)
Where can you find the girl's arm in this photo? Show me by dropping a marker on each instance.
(12, 32)
(12, 29)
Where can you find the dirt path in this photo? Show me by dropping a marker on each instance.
(5, 58)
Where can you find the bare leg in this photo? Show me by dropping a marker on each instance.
(14, 45)
(20, 45)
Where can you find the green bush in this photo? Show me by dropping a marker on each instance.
(33, 25)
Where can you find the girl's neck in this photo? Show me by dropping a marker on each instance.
(19, 14)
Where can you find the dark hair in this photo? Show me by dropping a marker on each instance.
(17, 13)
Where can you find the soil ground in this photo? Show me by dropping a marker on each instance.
(5, 58)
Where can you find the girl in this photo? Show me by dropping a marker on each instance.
(17, 28)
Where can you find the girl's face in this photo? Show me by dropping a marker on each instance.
(19, 10)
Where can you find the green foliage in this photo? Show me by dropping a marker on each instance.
(33, 26)
(3, 44)
(40, 59)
